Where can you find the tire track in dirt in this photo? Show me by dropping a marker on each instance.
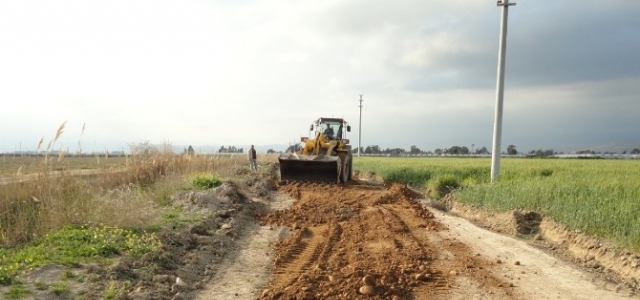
(298, 259)
(366, 242)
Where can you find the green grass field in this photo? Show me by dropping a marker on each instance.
(599, 197)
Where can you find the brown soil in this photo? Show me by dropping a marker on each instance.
(260, 239)
(360, 241)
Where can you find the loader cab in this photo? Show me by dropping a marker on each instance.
(333, 128)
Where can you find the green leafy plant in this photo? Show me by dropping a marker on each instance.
(204, 181)
(445, 184)
(74, 244)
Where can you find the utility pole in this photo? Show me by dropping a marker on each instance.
(360, 127)
(497, 123)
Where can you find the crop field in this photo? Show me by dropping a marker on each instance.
(598, 197)
(16, 164)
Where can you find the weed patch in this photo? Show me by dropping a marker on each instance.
(444, 185)
(59, 288)
(73, 245)
(114, 290)
(205, 181)
(17, 292)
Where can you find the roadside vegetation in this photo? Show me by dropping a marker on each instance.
(72, 209)
(598, 197)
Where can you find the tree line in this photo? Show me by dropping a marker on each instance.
(455, 150)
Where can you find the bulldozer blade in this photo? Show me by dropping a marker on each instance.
(312, 168)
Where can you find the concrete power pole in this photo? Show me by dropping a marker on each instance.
(360, 127)
(497, 125)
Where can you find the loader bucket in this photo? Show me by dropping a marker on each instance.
(312, 168)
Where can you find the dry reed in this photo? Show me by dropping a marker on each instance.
(32, 205)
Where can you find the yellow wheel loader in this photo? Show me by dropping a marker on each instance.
(325, 158)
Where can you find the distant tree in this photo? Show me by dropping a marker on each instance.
(372, 149)
(438, 151)
(541, 153)
(394, 151)
(415, 150)
(624, 152)
(511, 150)
(586, 152)
(457, 150)
(270, 151)
(190, 150)
(482, 150)
(222, 149)
(635, 151)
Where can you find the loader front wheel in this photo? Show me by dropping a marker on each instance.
(345, 169)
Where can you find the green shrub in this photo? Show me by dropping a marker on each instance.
(444, 185)
(205, 181)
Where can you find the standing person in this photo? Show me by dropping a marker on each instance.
(252, 159)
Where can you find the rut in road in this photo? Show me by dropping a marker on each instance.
(359, 241)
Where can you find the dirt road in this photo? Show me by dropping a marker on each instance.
(362, 241)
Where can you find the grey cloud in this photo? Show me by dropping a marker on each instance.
(573, 42)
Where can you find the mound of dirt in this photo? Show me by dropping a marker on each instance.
(190, 252)
(360, 241)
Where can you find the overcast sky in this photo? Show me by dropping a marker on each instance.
(259, 72)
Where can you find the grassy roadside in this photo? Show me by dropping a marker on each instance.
(72, 245)
(66, 219)
(598, 197)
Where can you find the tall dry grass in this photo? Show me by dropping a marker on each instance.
(31, 205)
(127, 197)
